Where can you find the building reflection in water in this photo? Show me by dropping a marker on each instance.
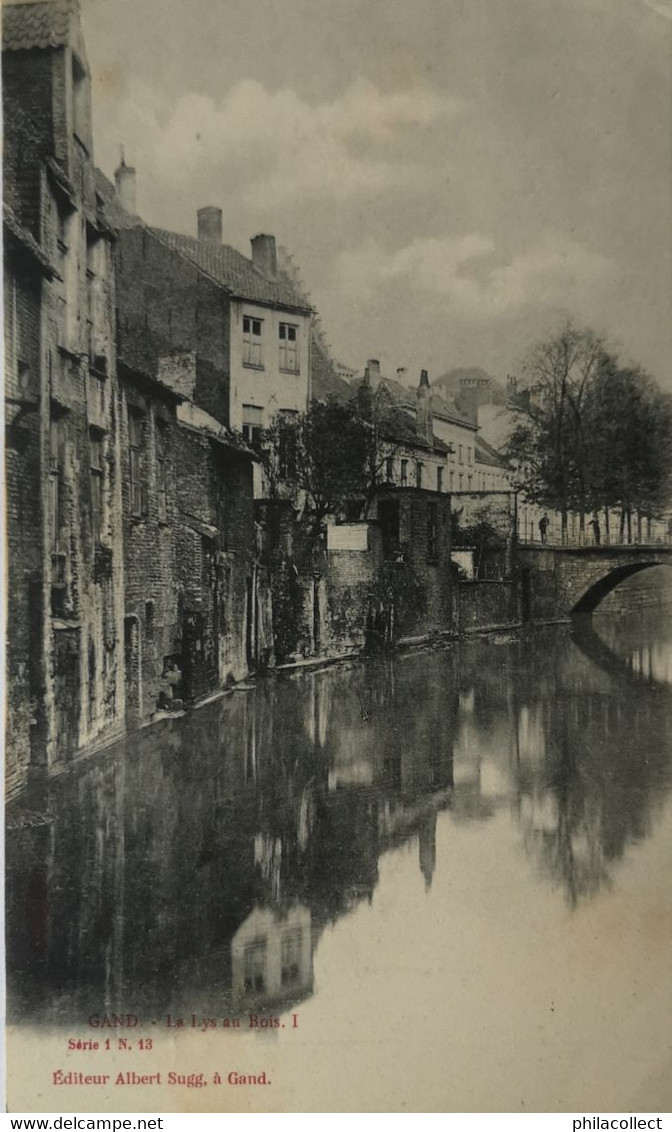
(272, 958)
(197, 865)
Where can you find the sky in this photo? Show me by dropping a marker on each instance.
(454, 178)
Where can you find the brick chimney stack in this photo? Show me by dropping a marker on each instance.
(264, 255)
(210, 225)
(372, 373)
(125, 184)
(423, 410)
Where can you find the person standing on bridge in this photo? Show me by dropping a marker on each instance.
(594, 523)
(543, 527)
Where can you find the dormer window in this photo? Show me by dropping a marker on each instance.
(252, 341)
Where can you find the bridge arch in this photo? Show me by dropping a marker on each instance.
(599, 589)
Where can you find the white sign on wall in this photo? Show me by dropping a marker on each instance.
(348, 536)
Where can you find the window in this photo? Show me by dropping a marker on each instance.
(136, 444)
(289, 358)
(460, 456)
(469, 482)
(418, 474)
(254, 963)
(251, 341)
(55, 475)
(252, 421)
(96, 475)
(452, 480)
(290, 956)
(404, 473)
(461, 484)
(97, 388)
(161, 474)
(470, 455)
(388, 518)
(92, 683)
(287, 442)
(439, 479)
(54, 511)
(97, 315)
(432, 512)
(389, 469)
(67, 286)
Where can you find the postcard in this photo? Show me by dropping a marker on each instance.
(338, 534)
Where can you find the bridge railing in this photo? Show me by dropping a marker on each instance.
(576, 543)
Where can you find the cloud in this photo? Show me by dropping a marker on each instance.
(554, 271)
(275, 146)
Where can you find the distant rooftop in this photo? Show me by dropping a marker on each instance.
(235, 272)
(486, 454)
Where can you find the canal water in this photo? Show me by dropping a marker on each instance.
(454, 867)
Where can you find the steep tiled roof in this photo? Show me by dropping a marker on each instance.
(486, 454)
(326, 385)
(402, 429)
(114, 214)
(47, 23)
(400, 394)
(193, 417)
(234, 272)
(405, 396)
(449, 411)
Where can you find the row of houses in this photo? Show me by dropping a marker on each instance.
(141, 367)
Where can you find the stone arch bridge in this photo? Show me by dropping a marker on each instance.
(558, 581)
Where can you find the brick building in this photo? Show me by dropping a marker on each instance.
(245, 319)
(65, 559)
(196, 601)
(133, 579)
(26, 272)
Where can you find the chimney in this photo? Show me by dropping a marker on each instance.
(401, 374)
(264, 256)
(423, 410)
(124, 180)
(210, 225)
(372, 373)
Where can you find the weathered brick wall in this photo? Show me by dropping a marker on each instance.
(186, 572)
(537, 581)
(28, 130)
(23, 510)
(215, 575)
(237, 571)
(367, 599)
(351, 598)
(166, 305)
(84, 408)
(152, 631)
(422, 578)
(485, 605)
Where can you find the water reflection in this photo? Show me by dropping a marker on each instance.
(196, 867)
